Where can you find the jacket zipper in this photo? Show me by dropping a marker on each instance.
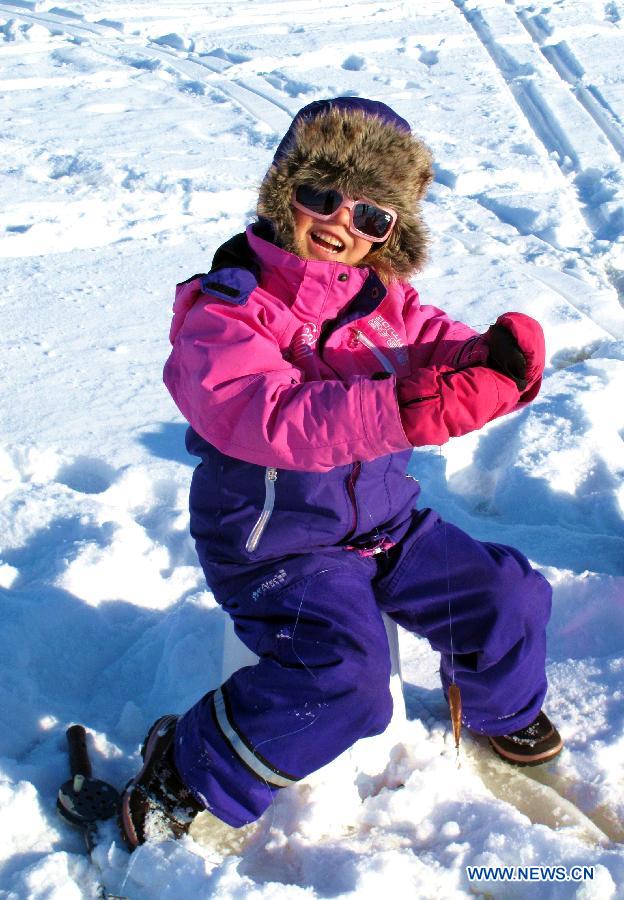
(383, 359)
(353, 477)
(270, 477)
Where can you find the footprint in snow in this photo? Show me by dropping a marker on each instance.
(227, 56)
(111, 23)
(193, 87)
(63, 11)
(87, 475)
(444, 176)
(612, 14)
(428, 57)
(18, 229)
(290, 86)
(354, 63)
(145, 63)
(175, 41)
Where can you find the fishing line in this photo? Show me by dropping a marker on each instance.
(448, 595)
(448, 590)
(454, 693)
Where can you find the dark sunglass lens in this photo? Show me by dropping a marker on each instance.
(322, 202)
(371, 220)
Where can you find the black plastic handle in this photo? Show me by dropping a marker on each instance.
(79, 762)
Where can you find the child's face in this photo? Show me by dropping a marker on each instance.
(329, 240)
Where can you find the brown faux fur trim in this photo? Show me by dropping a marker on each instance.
(362, 156)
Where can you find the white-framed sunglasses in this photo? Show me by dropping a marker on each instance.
(366, 219)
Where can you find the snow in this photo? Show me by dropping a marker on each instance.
(134, 137)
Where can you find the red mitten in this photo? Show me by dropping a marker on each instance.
(439, 402)
(517, 349)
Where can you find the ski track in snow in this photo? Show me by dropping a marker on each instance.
(575, 140)
(76, 525)
(562, 59)
(266, 105)
(257, 103)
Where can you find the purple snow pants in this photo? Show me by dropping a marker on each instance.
(322, 681)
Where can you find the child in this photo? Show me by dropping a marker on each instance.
(308, 370)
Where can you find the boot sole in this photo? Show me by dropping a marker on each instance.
(126, 824)
(521, 760)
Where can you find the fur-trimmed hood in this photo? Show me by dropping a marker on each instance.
(364, 149)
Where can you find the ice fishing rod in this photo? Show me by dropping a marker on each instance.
(83, 801)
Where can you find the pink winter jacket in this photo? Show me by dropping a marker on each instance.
(303, 372)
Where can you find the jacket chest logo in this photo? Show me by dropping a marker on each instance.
(391, 337)
(303, 343)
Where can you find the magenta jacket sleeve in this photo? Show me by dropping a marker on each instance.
(434, 339)
(227, 376)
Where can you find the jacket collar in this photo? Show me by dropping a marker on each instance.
(299, 277)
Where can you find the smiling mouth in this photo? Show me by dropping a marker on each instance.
(327, 242)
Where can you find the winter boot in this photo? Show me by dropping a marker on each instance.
(156, 804)
(537, 743)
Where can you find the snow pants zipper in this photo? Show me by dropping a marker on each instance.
(353, 477)
(270, 477)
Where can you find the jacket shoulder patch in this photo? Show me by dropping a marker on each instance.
(234, 285)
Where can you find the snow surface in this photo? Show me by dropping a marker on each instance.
(133, 138)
